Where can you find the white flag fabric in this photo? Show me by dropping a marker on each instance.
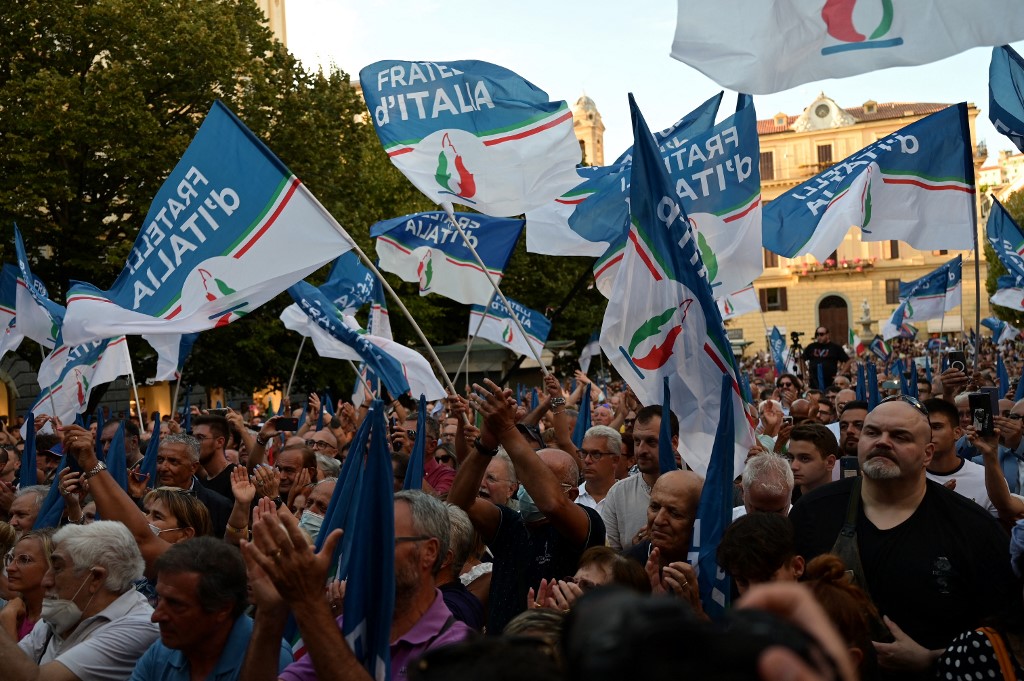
(86, 367)
(495, 324)
(766, 47)
(590, 350)
(417, 370)
(738, 303)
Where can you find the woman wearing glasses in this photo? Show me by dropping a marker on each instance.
(26, 564)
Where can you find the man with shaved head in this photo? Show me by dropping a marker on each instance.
(547, 537)
(933, 562)
(670, 516)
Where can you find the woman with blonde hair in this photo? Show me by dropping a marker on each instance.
(26, 564)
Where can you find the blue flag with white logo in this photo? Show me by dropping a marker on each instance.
(471, 133)
(37, 317)
(427, 249)
(714, 513)
(495, 324)
(778, 347)
(717, 180)
(915, 184)
(349, 284)
(326, 316)
(587, 218)
(1006, 93)
(929, 297)
(1007, 240)
(220, 239)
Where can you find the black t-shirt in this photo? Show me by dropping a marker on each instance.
(937, 574)
(221, 483)
(524, 555)
(830, 356)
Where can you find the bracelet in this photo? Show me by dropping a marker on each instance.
(95, 470)
(556, 413)
(262, 442)
(240, 531)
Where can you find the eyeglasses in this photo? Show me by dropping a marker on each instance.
(8, 448)
(821, 333)
(593, 454)
(319, 444)
(786, 384)
(1014, 417)
(445, 458)
(21, 559)
(418, 537)
(912, 401)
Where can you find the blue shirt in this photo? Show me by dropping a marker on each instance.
(160, 663)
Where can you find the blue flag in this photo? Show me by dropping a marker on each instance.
(218, 241)
(666, 454)
(873, 398)
(1007, 240)
(778, 347)
(1003, 376)
(821, 376)
(1019, 393)
(320, 417)
(349, 284)
(496, 324)
(186, 418)
(52, 509)
(328, 404)
(915, 184)
(583, 420)
(426, 248)
(29, 475)
(929, 297)
(880, 348)
(718, 185)
(148, 465)
(912, 384)
(1005, 88)
(323, 312)
(117, 458)
(714, 513)
(370, 594)
(414, 473)
(862, 384)
(38, 317)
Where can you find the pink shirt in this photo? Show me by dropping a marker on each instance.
(436, 628)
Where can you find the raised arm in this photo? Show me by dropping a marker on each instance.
(1010, 508)
(559, 419)
(464, 491)
(540, 481)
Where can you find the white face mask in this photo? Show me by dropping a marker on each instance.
(311, 522)
(61, 613)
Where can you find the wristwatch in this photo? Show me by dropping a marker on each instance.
(557, 402)
(95, 470)
(484, 450)
(262, 442)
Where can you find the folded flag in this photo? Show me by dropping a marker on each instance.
(379, 321)
(738, 303)
(339, 337)
(219, 241)
(90, 365)
(36, 316)
(662, 319)
(880, 348)
(856, 345)
(1006, 93)
(590, 215)
(349, 284)
(1008, 293)
(472, 133)
(716, 174)
(172, 349)
(768, 47)
(590, 350)
(779, 351)
(929, 297)
(498, 326)
(11, 338)
(1007, 240)
(915, 185)
(426, 248)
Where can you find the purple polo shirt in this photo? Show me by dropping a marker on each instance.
(423, 636)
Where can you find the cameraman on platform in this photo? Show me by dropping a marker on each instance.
(825, 353)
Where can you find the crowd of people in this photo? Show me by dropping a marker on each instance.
(879, 539)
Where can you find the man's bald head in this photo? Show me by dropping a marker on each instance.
(800, 410)
(561, 464)
(843, 397)
(671, 512)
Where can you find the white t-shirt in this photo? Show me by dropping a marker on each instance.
(970, 483)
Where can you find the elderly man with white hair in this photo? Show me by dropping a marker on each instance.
(94, 625)
(767, 486)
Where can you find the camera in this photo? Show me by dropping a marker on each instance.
(795, 336)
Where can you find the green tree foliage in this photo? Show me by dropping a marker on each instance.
(1014, 205)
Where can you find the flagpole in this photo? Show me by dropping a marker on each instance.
(177, 388)
(977, 298)
(469, 342)
(295, 365)
(465, 239)
(360, 377)
(135, 391)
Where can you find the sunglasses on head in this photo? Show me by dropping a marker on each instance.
(912, 401)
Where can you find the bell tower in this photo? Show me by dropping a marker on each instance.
(273, 10)
(586, 121)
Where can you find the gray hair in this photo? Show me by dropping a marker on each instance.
(611, 437)
(191, 444)
(39, 490)
(429, 518)
(463, 537)
(503, 456)
(769, 472)
(331, 467)
(104, 543)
